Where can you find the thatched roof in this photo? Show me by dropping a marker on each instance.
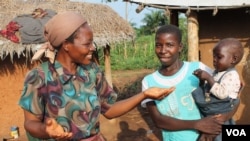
(107, 25)
(193, 4)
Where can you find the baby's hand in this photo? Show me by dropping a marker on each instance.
(201, 74)
(198, 72)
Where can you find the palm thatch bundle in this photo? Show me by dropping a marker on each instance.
(107, 25)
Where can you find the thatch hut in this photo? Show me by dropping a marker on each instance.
(207, 23)
(108, 28)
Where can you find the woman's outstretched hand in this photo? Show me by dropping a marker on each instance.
(56, 131)
(158, 93)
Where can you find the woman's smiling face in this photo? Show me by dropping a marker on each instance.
(82, 48)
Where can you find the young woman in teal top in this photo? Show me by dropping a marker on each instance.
(177, 115)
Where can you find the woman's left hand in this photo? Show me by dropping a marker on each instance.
(158, 93)
(56, 131)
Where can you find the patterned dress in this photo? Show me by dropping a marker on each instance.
(75, 101)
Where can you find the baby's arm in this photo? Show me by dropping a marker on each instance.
(203, 75)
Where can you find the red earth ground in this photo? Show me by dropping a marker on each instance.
(136, 125)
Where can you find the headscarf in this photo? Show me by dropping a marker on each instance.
(57, 30)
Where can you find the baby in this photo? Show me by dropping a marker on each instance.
(220, 92)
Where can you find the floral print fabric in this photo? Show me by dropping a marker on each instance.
(75, 101)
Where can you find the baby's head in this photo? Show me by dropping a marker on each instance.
(227, 52)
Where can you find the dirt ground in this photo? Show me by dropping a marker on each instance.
(134, 126)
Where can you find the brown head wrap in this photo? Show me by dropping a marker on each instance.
(57, 29)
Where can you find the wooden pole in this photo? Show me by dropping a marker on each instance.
(107, 64)
(193, 38)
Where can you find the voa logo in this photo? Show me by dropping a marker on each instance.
(236, 132)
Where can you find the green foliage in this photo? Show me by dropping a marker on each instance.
(152, 21)
(133, 55)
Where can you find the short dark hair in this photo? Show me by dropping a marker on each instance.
(170, 29)
(235, 47)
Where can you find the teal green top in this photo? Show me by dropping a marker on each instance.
(179, 104)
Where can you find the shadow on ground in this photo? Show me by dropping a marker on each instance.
(137, 124)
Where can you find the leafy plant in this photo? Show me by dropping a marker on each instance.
(152, 21)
